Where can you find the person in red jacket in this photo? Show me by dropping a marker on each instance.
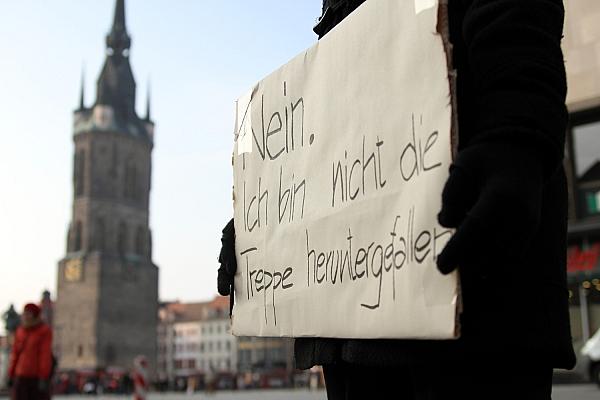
(31, 357)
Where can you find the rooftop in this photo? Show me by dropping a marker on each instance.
(218, 308)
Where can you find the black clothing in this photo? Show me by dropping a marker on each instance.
(462, 379)
(492, 188)
(228, 264)
(227, 260)
(27, 389)
(511, 92)
(334, 11)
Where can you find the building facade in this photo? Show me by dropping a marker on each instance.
(581, 46)
(107, 295)
(259, 354)
(195, 340)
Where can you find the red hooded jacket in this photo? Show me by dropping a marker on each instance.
(31, 355)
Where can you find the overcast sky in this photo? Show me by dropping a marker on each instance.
(199, 55)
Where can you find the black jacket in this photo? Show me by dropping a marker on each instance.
(511, 87)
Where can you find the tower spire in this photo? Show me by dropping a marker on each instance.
(116, 85)
(118, 41)
(148, 102)
(82, 94)
(119, 21)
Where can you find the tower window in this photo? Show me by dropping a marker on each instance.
(140, 241)
(79, 169)
(70, 239)
(77, 239)
(122, 239)
(99, 235)
(115, 158)
(130, 189)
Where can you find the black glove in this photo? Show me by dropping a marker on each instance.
(227, 260)
(43, 385)
(10, 383)
(493, 198)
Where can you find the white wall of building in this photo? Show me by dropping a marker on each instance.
(218, 347)
(203, 346)
(186, 347)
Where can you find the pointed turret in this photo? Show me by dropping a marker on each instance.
(116, 85)
(148, 103)
(82, 94)
(118, 39)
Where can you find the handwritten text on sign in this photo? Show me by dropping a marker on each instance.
(340, 159)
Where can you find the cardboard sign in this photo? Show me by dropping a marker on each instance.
(340, 159)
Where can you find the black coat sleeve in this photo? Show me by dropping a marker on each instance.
(516, 73)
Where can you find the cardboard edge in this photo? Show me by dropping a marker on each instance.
(443, 29)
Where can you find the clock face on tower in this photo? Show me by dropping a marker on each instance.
(73, 270)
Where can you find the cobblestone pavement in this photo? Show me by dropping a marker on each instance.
(560, 392)
(221, 395)
(575, 392)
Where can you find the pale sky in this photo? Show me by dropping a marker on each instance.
(199, 55)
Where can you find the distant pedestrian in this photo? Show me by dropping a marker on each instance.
(31, 362)
(140, 378)
(191, 385)
(210, 380)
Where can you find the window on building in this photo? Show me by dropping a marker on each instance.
(218, 346)
(586, 166)
(79, 172)
(140, 241)
(586, 148)
(228, 345)
(201, 347)
(99, 235)
(218, 328)
(130, 185)
(78, 236)
(115, 161)
(210, 346)
(80, 351)
(192, 364)
(122, 238)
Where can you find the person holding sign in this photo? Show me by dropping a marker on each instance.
(506, 197)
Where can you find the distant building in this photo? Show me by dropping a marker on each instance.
(195, 340)
(265, 354)
(107, 297)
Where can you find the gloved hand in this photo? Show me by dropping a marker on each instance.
(43, 385)
(10, 383)
(227, 260)
(493, 199)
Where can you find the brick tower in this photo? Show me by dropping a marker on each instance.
(107, 295)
